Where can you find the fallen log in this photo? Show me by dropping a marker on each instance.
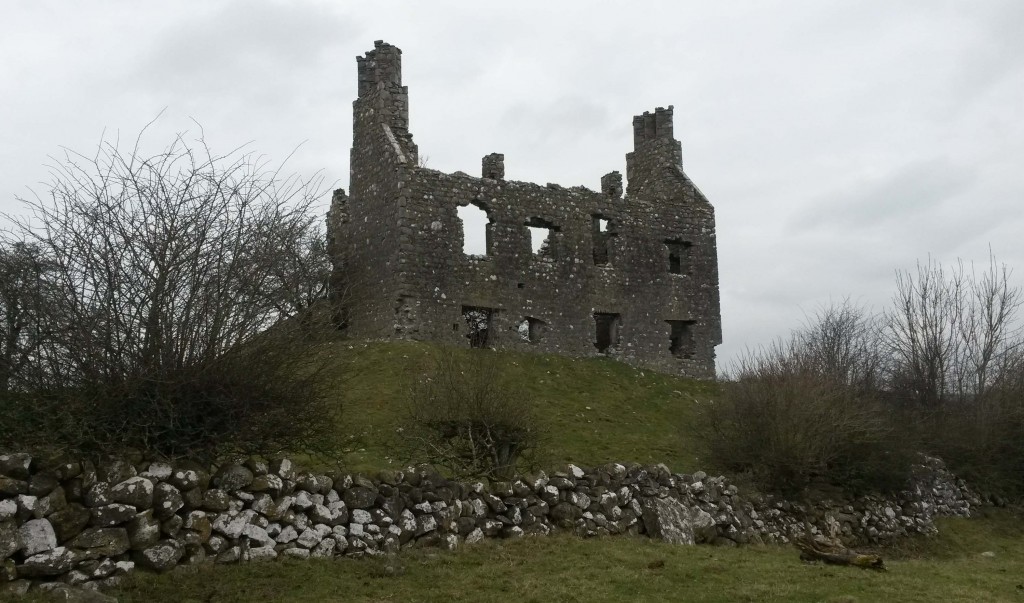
(836, 554)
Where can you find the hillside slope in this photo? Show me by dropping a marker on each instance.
(593, 411)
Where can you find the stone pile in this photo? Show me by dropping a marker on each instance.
(738, 519)
(85, 523)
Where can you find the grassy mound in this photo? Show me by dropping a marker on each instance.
(593, 411)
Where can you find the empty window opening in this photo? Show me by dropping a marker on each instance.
(531, 329)
(539, 240)
(479, 322)
(520, 285)
(601, 232)
(607, 331)
(681, 338)
(678, 256)
(542, 235)
(476, 230)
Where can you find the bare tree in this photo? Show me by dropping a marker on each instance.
(841, 342)
(991, 334)
(168, 260)
(920, 332)
(956, 346)
(166, 270)
(952, 333)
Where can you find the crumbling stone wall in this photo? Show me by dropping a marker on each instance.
(83, 522)
(631, 276)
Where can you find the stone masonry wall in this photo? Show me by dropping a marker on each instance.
(629, 276)
(85, 523)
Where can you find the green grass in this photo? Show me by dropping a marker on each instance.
(594, 411)
(948, 568)
(995, 530)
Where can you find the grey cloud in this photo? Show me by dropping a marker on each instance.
(997, 51)
(913, 190)
(565, 119)
(242, 49)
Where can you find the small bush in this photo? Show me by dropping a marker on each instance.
(263, 399)
(33, 422)
(792, 430)
(981, 441)
(466, 416)
(802, 413)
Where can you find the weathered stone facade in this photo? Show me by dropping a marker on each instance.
(632, 276)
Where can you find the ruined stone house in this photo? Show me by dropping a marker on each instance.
(632, 276)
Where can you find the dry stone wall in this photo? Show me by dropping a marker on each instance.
(85, 523)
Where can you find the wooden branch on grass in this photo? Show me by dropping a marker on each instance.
(836, 554)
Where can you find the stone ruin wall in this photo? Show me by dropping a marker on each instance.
(87, 522)
(632, 276)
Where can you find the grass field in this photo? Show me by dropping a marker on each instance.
(948, 568)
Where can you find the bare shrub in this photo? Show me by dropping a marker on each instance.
(168, 276)
(804, 412)
(980, 437)
(465, 415)
(841, 342)
(981, 441)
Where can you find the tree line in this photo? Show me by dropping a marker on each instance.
(853, 396)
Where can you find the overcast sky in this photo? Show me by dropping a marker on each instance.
(838, 141)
